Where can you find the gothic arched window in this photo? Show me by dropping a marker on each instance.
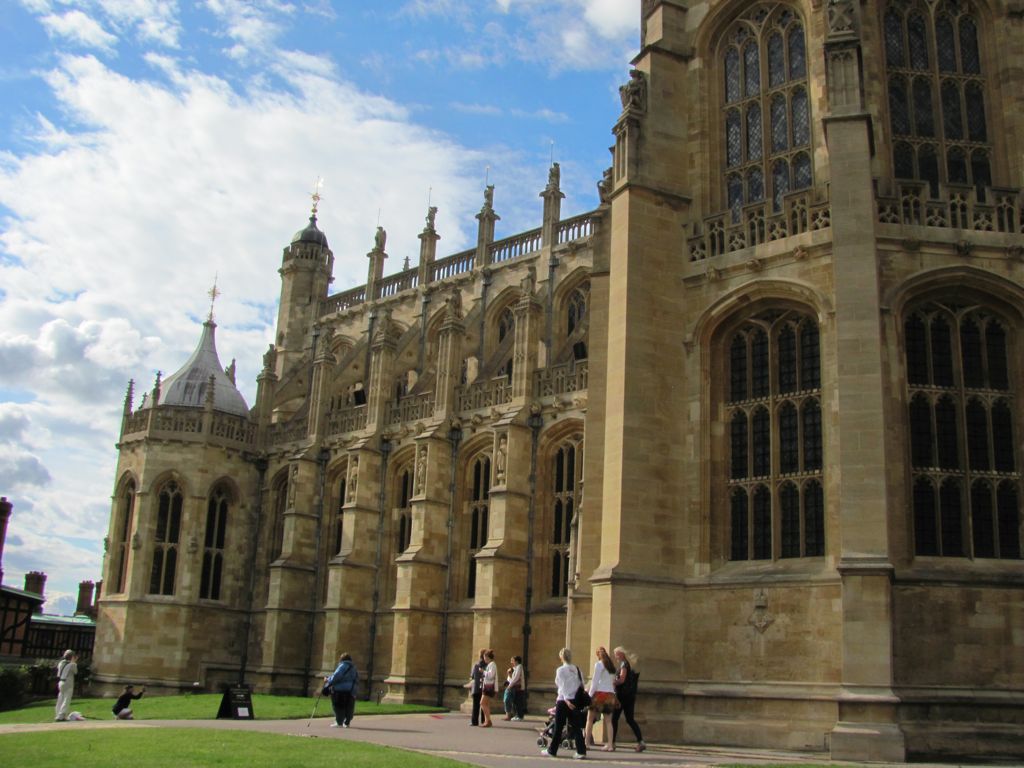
(961, 416)
(217, 507)
(937, 94)
(767, 110)
(775, 439)
(165, 539)
(479, 492)
(565, 474)
(123, 532)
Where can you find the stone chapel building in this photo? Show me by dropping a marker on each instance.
(754, 418)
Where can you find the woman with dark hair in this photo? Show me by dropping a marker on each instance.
(476, 685)
(625, 689)
(602, 692)
(490, 681)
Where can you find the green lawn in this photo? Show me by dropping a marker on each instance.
(184, 747)
(203, 706)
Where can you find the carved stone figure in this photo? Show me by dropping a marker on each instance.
(554, 176)
(453, 305)
(270, 358)
(634, 93)
(353, 479)
(230, 371)
(431, 215)
(529, 282)
(293, 481)
(501, 459)
(421, 469)
(489, 197)
(604, 186)
(380, 239)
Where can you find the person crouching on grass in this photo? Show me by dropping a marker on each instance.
(122, 707)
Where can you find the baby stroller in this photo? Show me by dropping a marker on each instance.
(548, 732)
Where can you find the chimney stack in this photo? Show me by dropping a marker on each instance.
(5, 515)
(84, 607)
(35, 581)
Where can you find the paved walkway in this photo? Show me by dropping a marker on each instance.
(506, 745)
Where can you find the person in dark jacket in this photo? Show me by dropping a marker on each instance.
(123, 706)
(343, 691)
(476, 685)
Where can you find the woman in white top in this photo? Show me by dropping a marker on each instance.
(517, 684)
(490, 681)
(602, 691)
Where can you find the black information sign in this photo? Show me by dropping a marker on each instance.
(236, 704)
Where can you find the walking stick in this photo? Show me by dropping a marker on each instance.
(315, 705)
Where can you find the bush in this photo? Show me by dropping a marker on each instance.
(14, 684)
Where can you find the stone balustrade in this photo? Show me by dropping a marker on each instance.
(411, 408)
(759, 225)
(484, 394)
(955, 207)
(560, 379)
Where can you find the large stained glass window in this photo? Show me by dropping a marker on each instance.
(767, 125)
(937, 94)
(965, 479)
(776, 495)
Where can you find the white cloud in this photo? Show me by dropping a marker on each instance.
(172, 180)
(78, 28)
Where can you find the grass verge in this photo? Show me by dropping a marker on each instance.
(204, 706)
(186, 747)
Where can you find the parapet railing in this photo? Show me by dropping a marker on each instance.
(560, 379)
(351, 419)
(514, 247)
(340, 301)
(758, 225)
(411, 408)
(988, 209)
(168, 421)
(392, 284)
(289, 431)
(577, 228)
(483, 394)
(508, 249)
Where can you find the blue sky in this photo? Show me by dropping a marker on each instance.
(147, 146)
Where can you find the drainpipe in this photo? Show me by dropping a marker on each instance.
(385, 450)
(536, 421)
(261, 468)
(455, 435)
(321, 461)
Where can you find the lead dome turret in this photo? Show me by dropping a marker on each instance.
(188, 386)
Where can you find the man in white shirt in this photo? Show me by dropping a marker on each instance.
(568, 681)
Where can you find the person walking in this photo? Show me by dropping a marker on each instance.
(625, 689)
(476, 685)
(490, 682)
(602, 693)
(66, 671)
(343, 691)
(568, 680)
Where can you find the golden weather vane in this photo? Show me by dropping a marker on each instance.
(213, 293)
(317, 186)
